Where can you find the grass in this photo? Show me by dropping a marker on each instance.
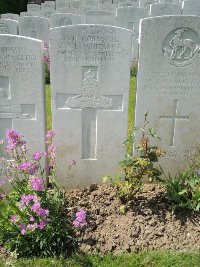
(48, 106)
(144, 259)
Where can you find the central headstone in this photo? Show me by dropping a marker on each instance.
(168, 85)
(90, 87)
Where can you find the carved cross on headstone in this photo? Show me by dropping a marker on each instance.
(90, 101)
(174, 118)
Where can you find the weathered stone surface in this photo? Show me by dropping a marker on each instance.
(168, 85)
(90, 89)
(191, 7)
(22, 105)
(33, 7)
(47, 13)
(34, 27)
(146, 3)
(8, 26)
(165, 9)
(99, 17)
(60, 19)
(48, 5)
(10, 16)
(170, 1)
(29, 13)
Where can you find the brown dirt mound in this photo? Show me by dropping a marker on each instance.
(147, 225)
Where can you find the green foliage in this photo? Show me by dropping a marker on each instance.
(47, 74)
(134, 69)
(13, 6)
(184, 189)
(34, 219)
(141, 259)
(137, 168)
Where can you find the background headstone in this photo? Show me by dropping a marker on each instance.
(146, 3)
(168, 85)
(29, 13)
(8, 26)
(60, 19)
(48, 5)
(191, 7)
(165, 9)
(34, 27)
(99, 17)
(90, 87)
(22, 102)
(10, 16)
(33, 7)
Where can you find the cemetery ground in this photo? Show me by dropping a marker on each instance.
(147, 234)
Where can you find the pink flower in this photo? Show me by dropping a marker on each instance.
(38, 155)
(22, 227)
(14, 218)
(32, 227)
(31, 219)
(80, 219)
(36, 206)
(42, 224)
(42, 212)
(37, 183)
(50, 134)
(25, 166)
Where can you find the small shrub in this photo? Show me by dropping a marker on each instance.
(35, 220)
(134, 69)
(137, 168)
(183, 190)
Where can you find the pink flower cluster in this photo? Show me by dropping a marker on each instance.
(37, 183)
(80, 219)
(37, 216)
(14, 140)
(47, 56)
(51, 150)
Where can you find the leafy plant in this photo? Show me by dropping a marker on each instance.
(183, 190)
(34, 220)
(139, 165)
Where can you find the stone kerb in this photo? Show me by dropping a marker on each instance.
(168, 85)
(90, 73)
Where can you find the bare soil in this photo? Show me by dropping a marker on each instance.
(148, 223)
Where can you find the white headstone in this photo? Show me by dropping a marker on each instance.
(47, 13)
(29, 13)
(108, 7)
(62, 5)
(8, 26)
(34, 27)
(99, 17)
(90, 87)
(91, 2)
(22, 102)
(170, 2)
(165, 9)
(191, 7)
(33, 7)
(101, 2)
(48, 5)
(168, 85)
(76, 4)
(62, 19)
(146, 3)
(85, 8)
(129, 17)
(68, 10)
(10, 16)
(127, 4)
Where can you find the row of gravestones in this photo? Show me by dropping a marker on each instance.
(90, 66)
(128, 17)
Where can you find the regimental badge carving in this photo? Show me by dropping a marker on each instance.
(4, 29)
(181, 47)
(90, 96)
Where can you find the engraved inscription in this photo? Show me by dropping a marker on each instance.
(4, 29)
(90, 96)
(181, 47)
(174, 117)
(172, 83)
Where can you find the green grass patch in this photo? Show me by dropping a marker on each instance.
(145, 259)
(48, 106)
